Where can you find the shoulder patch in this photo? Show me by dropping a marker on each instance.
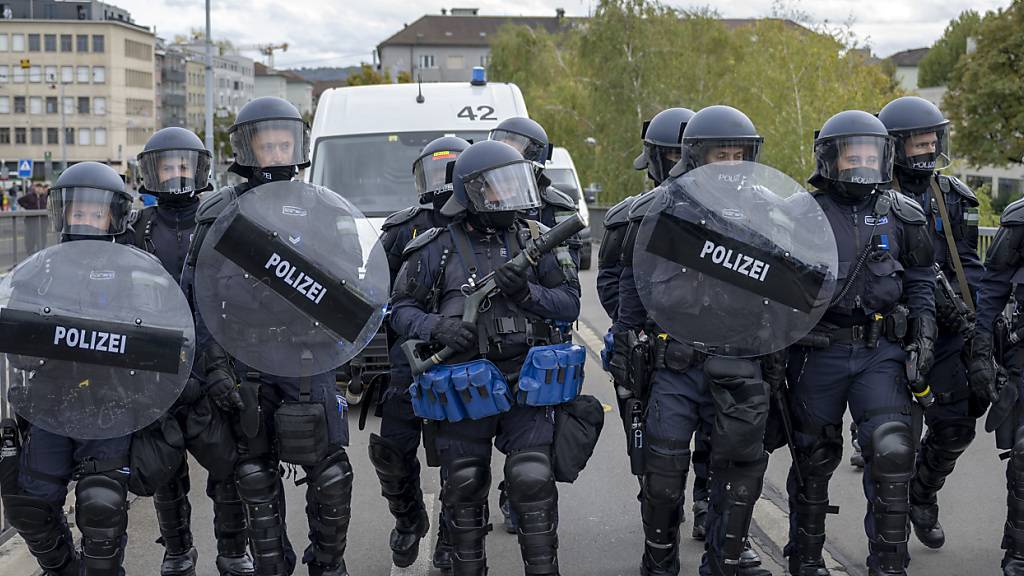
(401, 217)
(422, 239)
(555, 197)
(1013, 215)
(211, 206)
(638, 209)
(619, 214)
(962, 189)
(906, 208)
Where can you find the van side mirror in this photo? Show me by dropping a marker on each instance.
(590, 193)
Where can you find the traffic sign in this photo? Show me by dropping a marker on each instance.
(24, 168)
(25, 64)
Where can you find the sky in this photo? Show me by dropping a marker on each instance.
(345, 32)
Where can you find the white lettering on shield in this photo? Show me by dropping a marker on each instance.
(739, 263)
(89, 339)
(291, 276)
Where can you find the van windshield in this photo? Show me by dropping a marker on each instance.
(374, 171)
(563, 179)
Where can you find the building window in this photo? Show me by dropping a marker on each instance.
(65, 43)
(485, 60)
(4, 46)
(455, 63)
(1011, 188)
(50, 74)
(5, 104)
(83, 74)
(51, 105)
(426, 60)
(35, 74)
(138, 50)
(69, 136)
(18, 76)
(98, 45)
(99, 75)
(35, 105)
(5, 135)
(50, 43)
(19, 104)
(82, 42)
(37, 136)
(33, 43)
(99, 136)
(67, 74)
(17, 42)
(137, 136)
(52, 135)
(20, 136)
(4, 78)
(138, 79)
(136, 107)
(976, 182)
(69, 104)
(99, 106)
(84, 137)
(83, 104)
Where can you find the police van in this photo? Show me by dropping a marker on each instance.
(365, 138)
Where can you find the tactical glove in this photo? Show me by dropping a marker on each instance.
(924, 330)
(981, 372)
(455, 334)
(511, 282)
(221, 384)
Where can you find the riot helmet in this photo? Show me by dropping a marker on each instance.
(921, 134)
(430, 169)
(270, 140)
(663, 137)
(717, 134)
(527, 137)
(89, 200)
(491, 181)
(175, 166)
(853, 153)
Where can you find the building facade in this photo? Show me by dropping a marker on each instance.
(287, 85)
(171, 89)
(195, 94)
(234, 81)
(98, 75)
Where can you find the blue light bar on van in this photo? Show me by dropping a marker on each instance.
(479, 76)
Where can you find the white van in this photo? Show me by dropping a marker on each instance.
(562, 173)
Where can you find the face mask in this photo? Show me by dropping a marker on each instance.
(852, 192)
(492, 222)
(273, 174)
(439, 199)
(84, 232)
(176, 199)
(922, 162)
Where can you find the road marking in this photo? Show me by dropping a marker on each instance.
(422, 565)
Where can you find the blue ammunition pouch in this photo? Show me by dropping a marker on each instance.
(551, 375)
(607, 351)
(454, 392)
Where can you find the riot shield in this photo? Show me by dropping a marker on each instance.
(735, 258)
(99, 336)
(291, 280)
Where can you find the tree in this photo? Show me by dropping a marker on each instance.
(936, 67)
(368, 75)
(984, 98)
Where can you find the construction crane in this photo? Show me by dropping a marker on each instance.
(265, 49)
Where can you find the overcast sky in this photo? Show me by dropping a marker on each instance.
(344, 32)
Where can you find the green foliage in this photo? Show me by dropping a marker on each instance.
(984, 99)
(988, 209)
(593, 87)
(221, 140)
(367, 75)
(936, 67)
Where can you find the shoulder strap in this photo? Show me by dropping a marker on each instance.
(465, 249)
(144, 229)
(954, 255)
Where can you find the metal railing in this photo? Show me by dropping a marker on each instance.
(23, 233)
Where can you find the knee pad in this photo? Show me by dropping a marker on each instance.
(952, 436)
(468, 482)
(529, 477)
(892, 450)
(333, 482)
(387, 458)
(101, 507)
(31, 515)
(257, 480)
(822, 458)
(665, 474)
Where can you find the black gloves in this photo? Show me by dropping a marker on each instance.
(981, 372)
(511, 282)
(221, 384)
(773, 368)
(924, 331)
(455, 334)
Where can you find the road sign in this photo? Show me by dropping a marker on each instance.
(25, 64)
(47, 155)
(24, 168)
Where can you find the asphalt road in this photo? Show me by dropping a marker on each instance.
(600, 531)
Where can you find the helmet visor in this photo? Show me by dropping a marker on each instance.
(530, 149)
(502, 189)
(856, 159)
(88, 211)
(661, 159)
(704, 151)
(270, 143)
(184, 172)
(431, 172)
(926, 149)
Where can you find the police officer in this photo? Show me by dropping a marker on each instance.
(271, 143)
(88, 201)
(885, 257)
(921, 137)
(491, 183)
(680, 394)
(175, 168)
(999, 284)
(393, 452)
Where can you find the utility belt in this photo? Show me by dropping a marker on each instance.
(301, 435)
(538, 332)
(550, 375)
(892, 326)
(671, 354)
